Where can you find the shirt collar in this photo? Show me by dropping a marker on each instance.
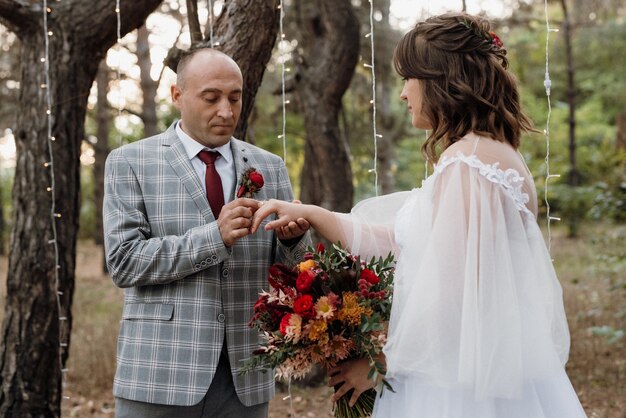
(193, 147)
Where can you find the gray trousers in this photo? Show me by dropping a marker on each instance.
(221, 401)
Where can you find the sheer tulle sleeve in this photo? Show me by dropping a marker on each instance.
(368, 230)
(476, 302)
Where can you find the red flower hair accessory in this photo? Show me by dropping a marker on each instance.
(250, 183)
(495, 40)
(490, 37)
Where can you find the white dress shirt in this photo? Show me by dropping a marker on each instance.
(225, 164)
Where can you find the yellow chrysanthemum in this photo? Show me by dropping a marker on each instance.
(317, 329)
(307, 265)
(351, 312)
(323, 308)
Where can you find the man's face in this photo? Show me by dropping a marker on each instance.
(209, 98)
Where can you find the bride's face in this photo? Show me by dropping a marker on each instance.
(412, 95)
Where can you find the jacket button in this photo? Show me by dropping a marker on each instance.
(221, 317)
(225, 273)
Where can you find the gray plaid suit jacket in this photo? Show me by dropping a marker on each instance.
(184, 290)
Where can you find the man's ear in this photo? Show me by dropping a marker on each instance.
(175, 92)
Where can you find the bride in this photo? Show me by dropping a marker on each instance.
(478, 327)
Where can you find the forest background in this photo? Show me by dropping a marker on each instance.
(330, 163)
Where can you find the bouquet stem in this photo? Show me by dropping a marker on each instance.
(363, 407)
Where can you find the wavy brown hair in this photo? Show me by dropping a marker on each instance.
(466, 87)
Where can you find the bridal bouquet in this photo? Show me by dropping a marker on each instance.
(331, 307)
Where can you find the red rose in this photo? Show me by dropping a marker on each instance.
(320, 248)
(250, 183)
(370, 276)
(303, 306)
(261, 304)
(305, 280)
(257, 179)
(284, 323)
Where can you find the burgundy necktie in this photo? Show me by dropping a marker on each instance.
(214, 190)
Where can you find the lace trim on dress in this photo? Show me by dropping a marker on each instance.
(510, 178)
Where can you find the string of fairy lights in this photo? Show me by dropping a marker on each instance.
(547, 83)
(119, 71)
(54, 215)
(283, 137)
(372, 67)
(283, 70)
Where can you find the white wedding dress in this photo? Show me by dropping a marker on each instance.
(478, 328)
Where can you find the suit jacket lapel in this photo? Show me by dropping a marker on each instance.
(242, 158)
(245, 157)
(177, 157)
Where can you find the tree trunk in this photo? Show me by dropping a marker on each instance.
(148, 85)
(35, 341)
(246, 31)
(101, 150)
(329, 40)
(573, 178)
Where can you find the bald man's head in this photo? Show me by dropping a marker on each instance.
(208, 55)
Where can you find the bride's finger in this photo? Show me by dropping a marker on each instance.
(355, 397)
(263, 212)
(278, 223)
(343, 389)
(336, 379)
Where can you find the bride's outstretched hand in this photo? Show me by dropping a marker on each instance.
(287, 215)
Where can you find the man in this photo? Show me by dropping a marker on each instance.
(190, 268)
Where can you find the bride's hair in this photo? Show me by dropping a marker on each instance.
(462, 68)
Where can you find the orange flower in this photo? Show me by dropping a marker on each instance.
(317, 330)
(307, 265)
(351, 312)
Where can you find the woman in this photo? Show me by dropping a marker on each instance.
(478, 327)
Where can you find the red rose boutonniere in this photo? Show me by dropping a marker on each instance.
(250, 183)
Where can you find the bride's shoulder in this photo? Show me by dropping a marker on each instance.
(465, 146)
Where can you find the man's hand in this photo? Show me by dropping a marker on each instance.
(235, 219)
(295, 229)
